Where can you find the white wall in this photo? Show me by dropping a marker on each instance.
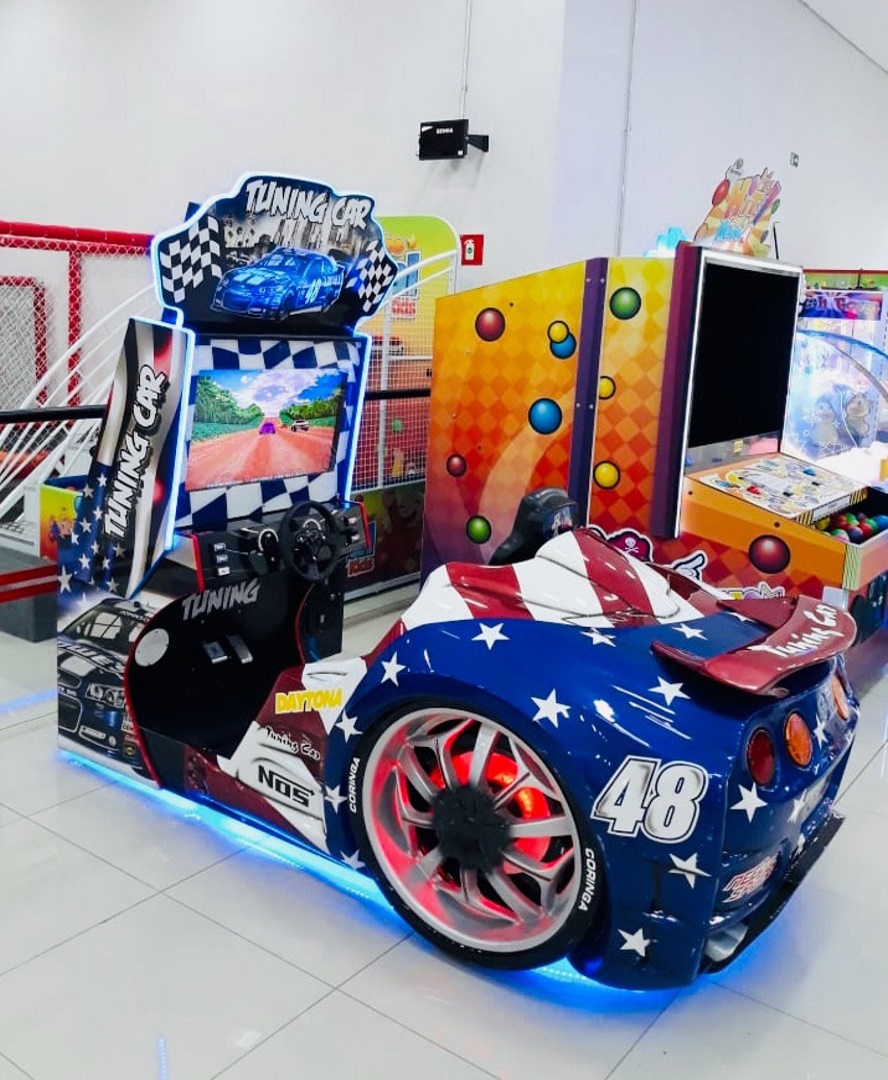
(117, 113)
(758, 79)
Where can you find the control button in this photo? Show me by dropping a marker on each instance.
(214, 651)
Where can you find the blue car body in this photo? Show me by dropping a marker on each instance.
(285, 282)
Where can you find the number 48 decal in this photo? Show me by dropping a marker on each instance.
(661, 800)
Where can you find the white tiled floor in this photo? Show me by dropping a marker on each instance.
(137, 941)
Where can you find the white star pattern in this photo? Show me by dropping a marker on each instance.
(690, 631)
(391, 669)
(749, 801)
(490, 635)
(97, 513)
(353, 861)
(118, 550)
(94, 547)
(113, 586)
(84, 562)
(820, 731)
(333, 797)
(549, 708)
(64, 581)
(106, 563)
(346, 725)
(75, 537)
(88, 492)
(636, 942)
(84, 525)
(103, 480)
(797, 807)
(688, 868)
(597, 638)
(669, 690)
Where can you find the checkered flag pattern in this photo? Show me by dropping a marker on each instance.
(186, 261)
(372, 277)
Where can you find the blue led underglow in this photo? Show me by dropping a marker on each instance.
(559, 983)
(27, 701)
(258, 837)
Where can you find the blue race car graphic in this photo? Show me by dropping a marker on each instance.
(285, 282)
(573, 755)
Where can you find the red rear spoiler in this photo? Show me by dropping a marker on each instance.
(805, 632)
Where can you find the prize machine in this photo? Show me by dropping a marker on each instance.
(837, 411)
(654, 391)
(214, 525)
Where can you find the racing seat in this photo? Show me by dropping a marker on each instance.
(541, 515)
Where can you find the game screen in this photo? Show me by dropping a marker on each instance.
(263, 425)
(743, 355)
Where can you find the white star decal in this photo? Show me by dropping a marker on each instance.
(689, 631)
(103, 480)
(64, 581)
(113, 586)
(84, 525)
(688, 868)
(636, 942)
(97, 513)
(749, 801)
(347, 725)
(669, 690)
(94, 547)
(597, 638)
(333, 797)
(391, 669)
(118, 550)
(75, 537)
(84, 562)
(88, 492)
(820, 731)
(490, 635)
(797, 806)
(739, 617)
(549, 708)
(353, 861)
(106, 563)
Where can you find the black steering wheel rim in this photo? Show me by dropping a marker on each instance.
(308, 565)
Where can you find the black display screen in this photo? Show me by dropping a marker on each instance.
(741, 364)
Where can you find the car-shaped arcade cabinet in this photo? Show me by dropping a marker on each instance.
(567, 753)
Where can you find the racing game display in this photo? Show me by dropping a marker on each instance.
(262, 425)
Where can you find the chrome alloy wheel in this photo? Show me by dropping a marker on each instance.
(471, 830)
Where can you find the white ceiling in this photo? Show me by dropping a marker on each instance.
(864, 22)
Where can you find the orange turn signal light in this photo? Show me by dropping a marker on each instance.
(797, 736)
(843, 706)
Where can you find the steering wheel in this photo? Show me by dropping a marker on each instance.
(311, 543)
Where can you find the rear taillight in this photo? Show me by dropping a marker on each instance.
(761, 757)
(797, 736)
(843, 706)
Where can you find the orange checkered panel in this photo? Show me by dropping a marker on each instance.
(501, 416)
(633, 350)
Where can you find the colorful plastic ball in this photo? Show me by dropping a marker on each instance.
(544, 416)
(839, 534)
(456, 465)
(822, 525)
(855, 535)
(490, 324)
(882, 521)
(769, 554)
(606, 474)
(478, 529)
(561, 350)
(865, 528)
(625, 303)
(558, 331)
